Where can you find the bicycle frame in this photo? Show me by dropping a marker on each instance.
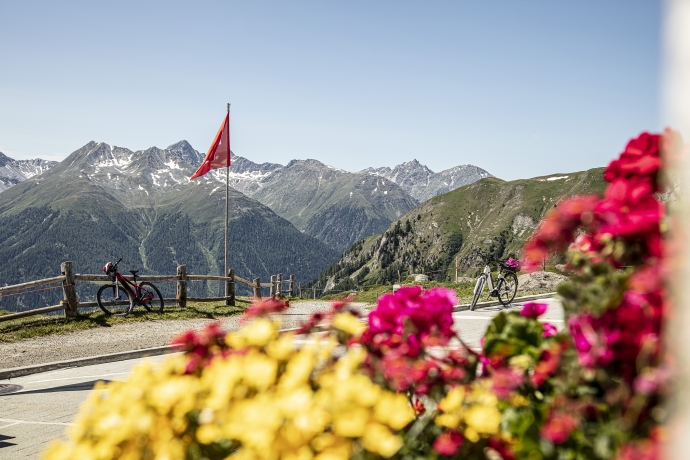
(486, 274)
(134, 288)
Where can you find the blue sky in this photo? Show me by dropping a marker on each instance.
(520, 88)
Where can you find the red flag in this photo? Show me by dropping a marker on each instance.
(218, 155)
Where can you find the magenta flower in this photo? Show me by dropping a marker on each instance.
(448, 443)
(505, 380)
(534, 309)
(559, 426)
(549, 330)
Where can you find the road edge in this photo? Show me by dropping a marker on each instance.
(493, 303)
(14, 372)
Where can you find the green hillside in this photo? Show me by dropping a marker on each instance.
(145, 210)
(492, 215)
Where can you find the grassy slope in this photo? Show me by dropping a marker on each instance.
(41, 325)
(491, 215)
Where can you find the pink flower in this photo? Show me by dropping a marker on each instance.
(648, 383)
(558, 427)
(448, 443)
(644, 449)
(505, 380)
(640, 158)
(534, 309)
(549, 330)
(265, 307)
(547, 364)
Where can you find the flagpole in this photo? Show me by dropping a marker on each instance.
(227, 203)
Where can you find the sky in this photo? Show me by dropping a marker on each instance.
(520, 89)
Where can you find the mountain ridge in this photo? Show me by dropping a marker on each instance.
(104, 202)
(13, 171)
(491, 215)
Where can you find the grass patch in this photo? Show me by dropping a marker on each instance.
(464, 291)
(42, 325)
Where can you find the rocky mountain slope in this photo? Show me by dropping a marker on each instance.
(332, 205)
(13, 172)
(104, 202)
(335, 206)
(491, 215)
(424, 184)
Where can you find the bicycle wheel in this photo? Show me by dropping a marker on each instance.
(478, 288)
(508, 289)
(151, 297)
(114, 301)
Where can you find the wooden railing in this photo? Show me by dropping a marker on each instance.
(71, 305)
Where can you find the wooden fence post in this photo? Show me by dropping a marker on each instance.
(292, 285)
(279, 283)
(299, 287)
(182, 286)
(257, 288)
(314, 292)
(273, 285)
(69, 293)
(230, 288)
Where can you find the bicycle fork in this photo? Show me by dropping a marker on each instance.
(117, 290)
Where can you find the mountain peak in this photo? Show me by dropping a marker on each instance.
(4, 159)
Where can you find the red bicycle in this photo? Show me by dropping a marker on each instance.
(118, 298)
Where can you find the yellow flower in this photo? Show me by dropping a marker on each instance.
(447, 420)
(453, 399)
(207, 434)
(483, 419)
(260, 371)
(519, 401)
(379, 439)
(349, 323)
(298, 369)
(351, 424)
(394, 410)
(302, 453)
(259, 332)
(282, 348)
(522, 362)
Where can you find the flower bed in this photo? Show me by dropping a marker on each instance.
(404, 385)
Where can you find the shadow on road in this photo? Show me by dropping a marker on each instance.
(83, 386)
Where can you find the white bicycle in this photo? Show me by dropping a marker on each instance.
(506, 284)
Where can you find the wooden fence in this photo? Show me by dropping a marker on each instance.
(71, 305)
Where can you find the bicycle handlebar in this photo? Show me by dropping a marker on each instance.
(113, 269)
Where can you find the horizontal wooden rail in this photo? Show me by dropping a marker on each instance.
(37, 311)
(88, 277)
(243, 281)
(208, 278)
(70, 303)
(30, 284)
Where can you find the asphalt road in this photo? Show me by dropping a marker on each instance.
(48, 402)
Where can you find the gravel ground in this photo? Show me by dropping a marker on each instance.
(127, 337)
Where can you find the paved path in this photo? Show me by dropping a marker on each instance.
(49, 401)
(47, 405)
(472, 324)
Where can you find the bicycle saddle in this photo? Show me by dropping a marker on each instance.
(134, 272)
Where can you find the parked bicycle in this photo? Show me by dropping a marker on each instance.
(506, 281)
(119, 298)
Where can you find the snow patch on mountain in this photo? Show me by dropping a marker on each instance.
(13, 172)
(422, 183)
